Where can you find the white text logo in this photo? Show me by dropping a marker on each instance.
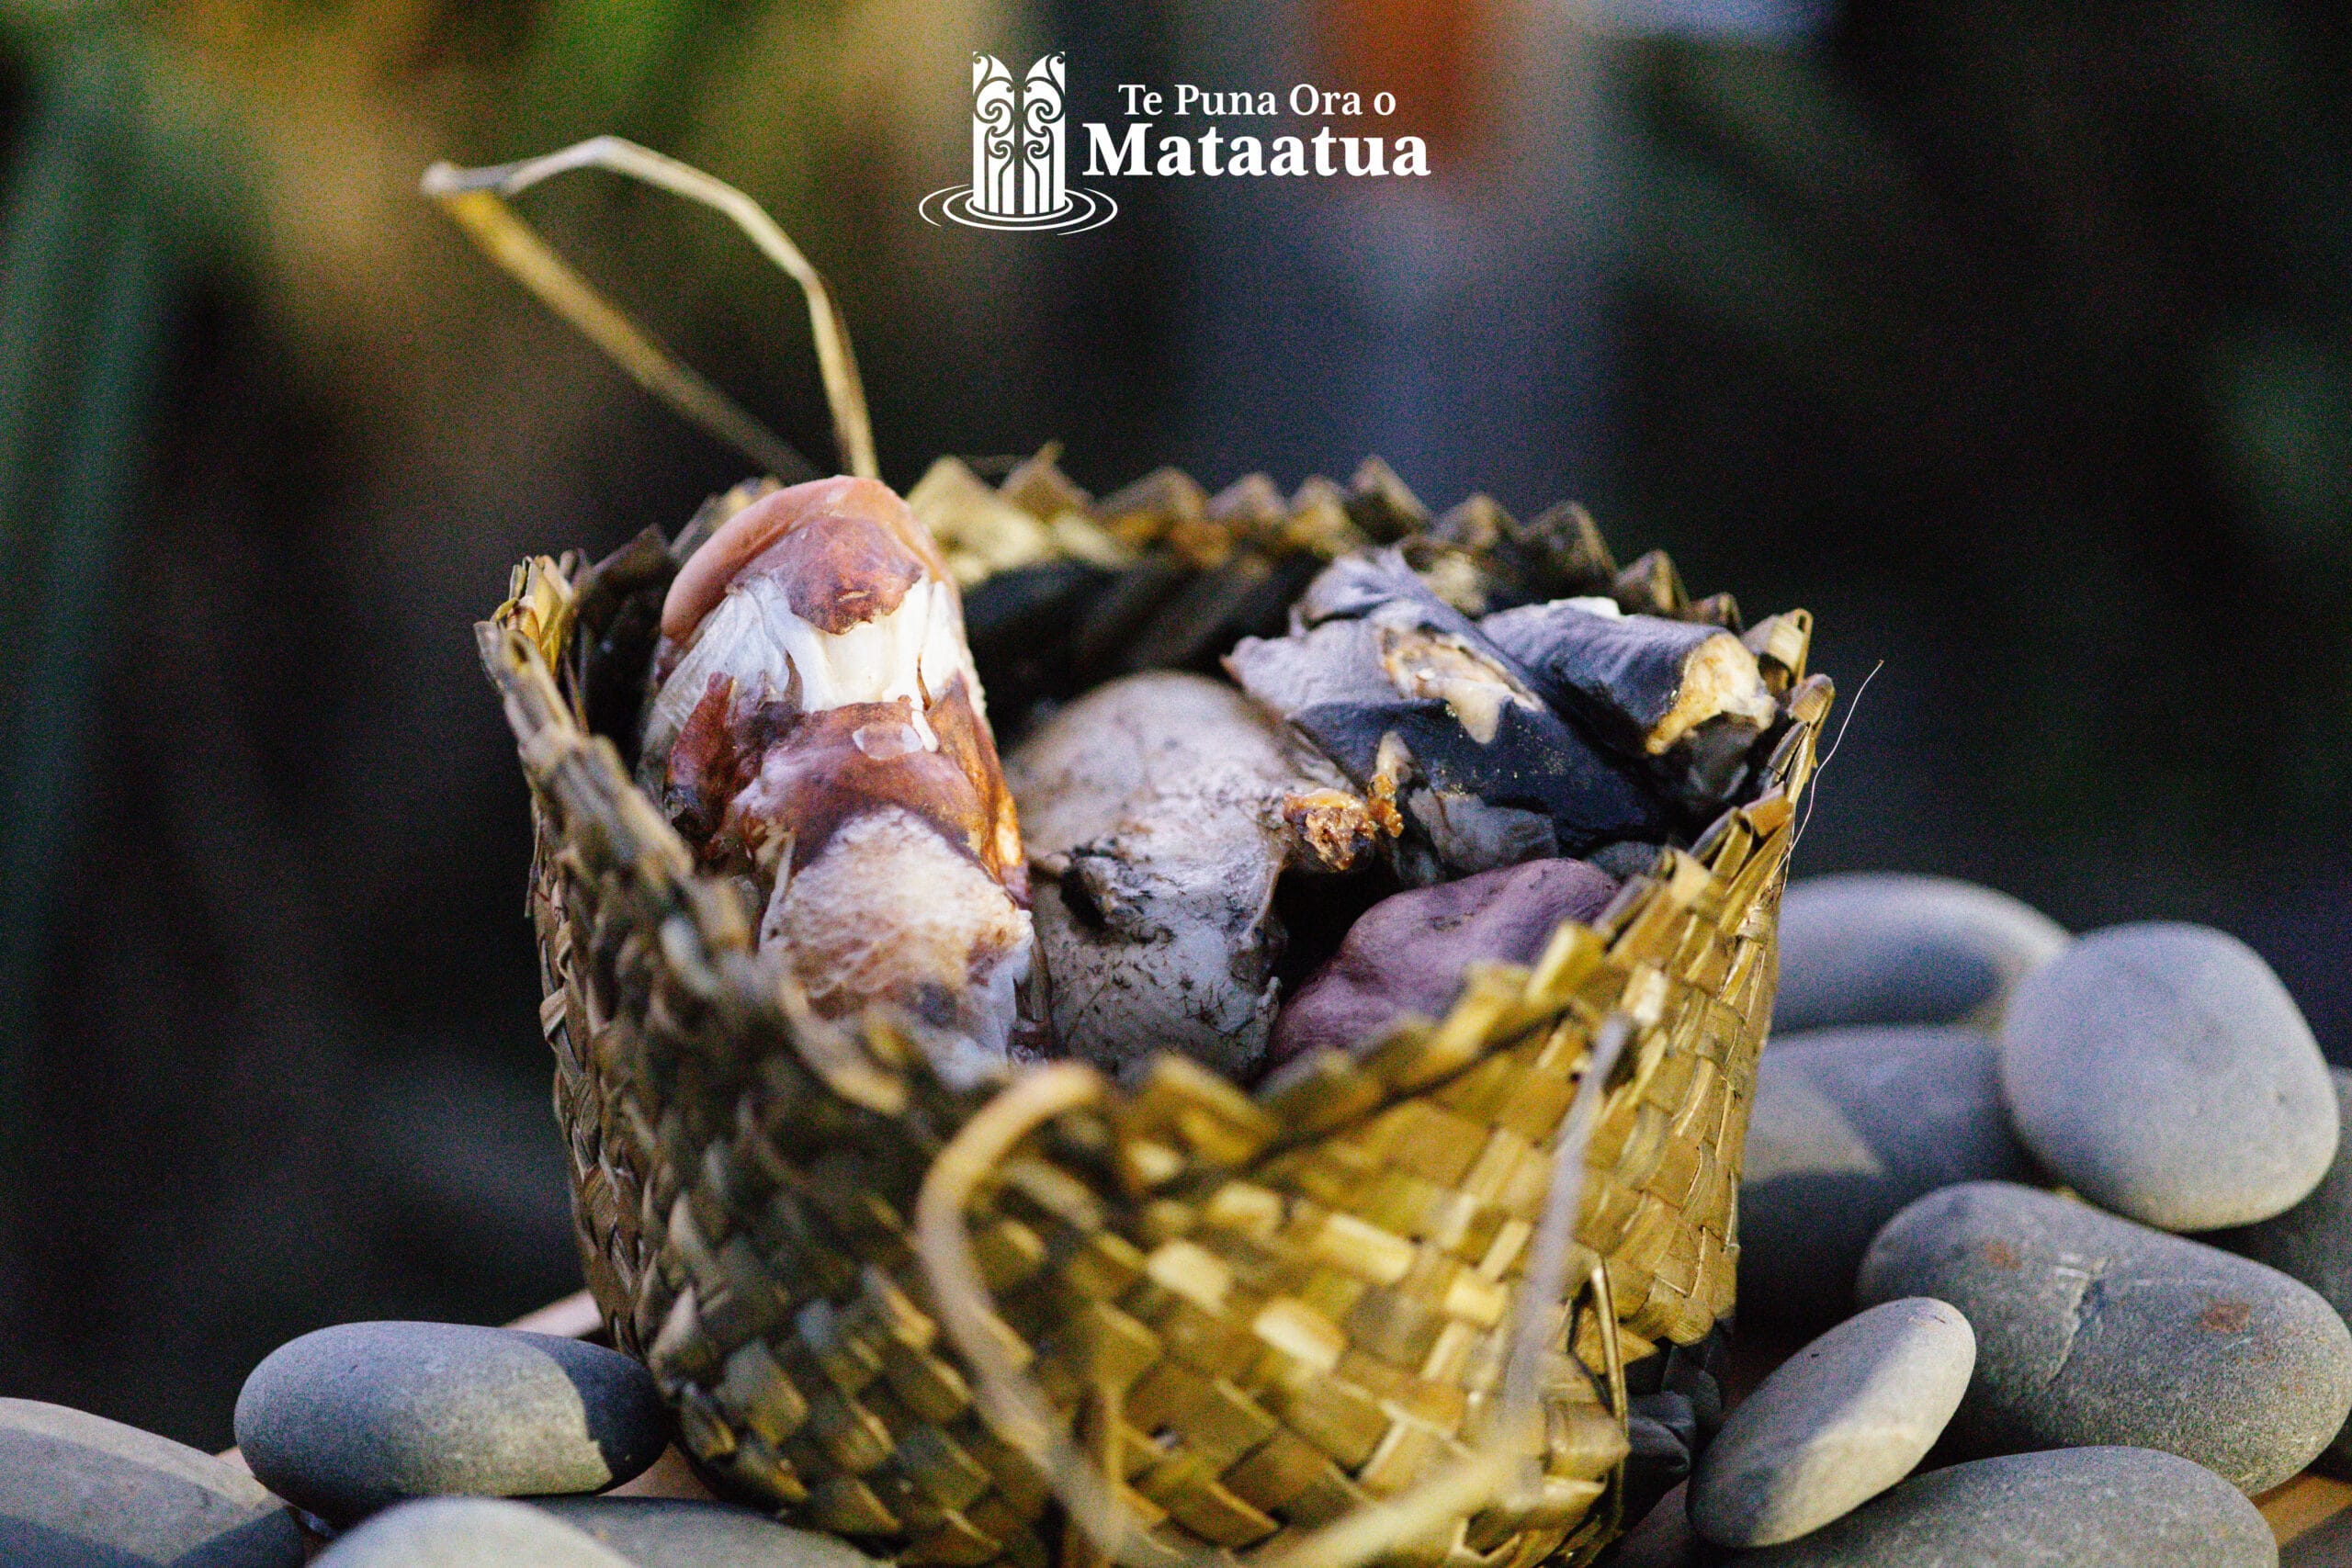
(1021, 145)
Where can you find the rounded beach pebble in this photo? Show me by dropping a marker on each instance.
(677, 1532)
(1661, 1539)
(354, 1418)
(2163, 1072)
(1876, 947)
(2313, 1241)
(469, 1532)
(78, 1491)
(1849, 1125)
(1835, 1425)
(2091, 1329)
(2093, 1507)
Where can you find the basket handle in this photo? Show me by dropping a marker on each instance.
(1016, 1409)
(1013, 1406)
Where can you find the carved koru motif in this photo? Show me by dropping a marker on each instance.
(1030, 184)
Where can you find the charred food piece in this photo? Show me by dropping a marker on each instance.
(1405, 956)
(1688, 698)
(1643, 683)
(817, 732)
(1411, 700)
(1161, 809)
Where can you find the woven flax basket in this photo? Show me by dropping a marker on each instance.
(1382, 1313)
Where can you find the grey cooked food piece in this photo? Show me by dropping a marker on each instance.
(1158, 811)
(1404, 694)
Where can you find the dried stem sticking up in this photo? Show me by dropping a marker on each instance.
(474, 198)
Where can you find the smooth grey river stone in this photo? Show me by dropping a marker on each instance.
(354, 1418)
(1835, 1425)
(1661, 1433)
(1847, 1126)
(1661, 1539)
(1880, 947)
(2313, 1241)
(677, 1532)
(2092, 1507)
(2092, 1329)
(2163, 1072)
(79, 1491)
(469, 1532)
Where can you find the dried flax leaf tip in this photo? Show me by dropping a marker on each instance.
(475, 198)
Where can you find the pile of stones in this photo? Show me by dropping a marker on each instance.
(2068, 1220)
(391, 1445)
(2046, 1245)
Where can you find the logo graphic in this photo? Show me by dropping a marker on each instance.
(1019, 158)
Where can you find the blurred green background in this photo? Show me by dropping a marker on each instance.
(2014, 340)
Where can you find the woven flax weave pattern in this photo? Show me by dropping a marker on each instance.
(1260, 1315)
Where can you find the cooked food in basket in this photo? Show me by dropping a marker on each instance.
(817, 731)
(1258, 1119)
